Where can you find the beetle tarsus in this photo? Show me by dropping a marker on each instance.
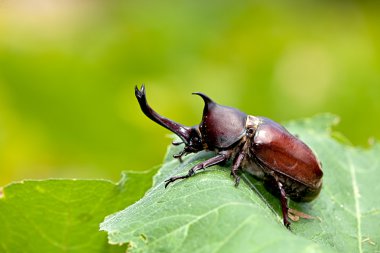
(173, 179)
(237, 181)
(179, 155)
(236, 178)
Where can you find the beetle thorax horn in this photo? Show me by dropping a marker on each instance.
(221, 126)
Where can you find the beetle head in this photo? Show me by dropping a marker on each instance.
(190, 136)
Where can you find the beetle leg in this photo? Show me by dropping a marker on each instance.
(284, 203)
(177, 143)
(179, 155)
(210, 162)
(235, 167)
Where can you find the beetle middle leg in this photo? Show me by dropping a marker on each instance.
(235, 167)
(210, 162)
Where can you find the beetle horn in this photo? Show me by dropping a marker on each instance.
(182, 131)
(208, 101)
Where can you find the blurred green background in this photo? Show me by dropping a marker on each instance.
(68, 68)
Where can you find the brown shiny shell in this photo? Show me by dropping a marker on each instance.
(285, 154)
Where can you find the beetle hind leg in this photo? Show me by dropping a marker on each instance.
(273, 184)
(210, 162)
(284, 203)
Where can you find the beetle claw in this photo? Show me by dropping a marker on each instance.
(237, 181)
(287, 225)
(179, 155)
(236, 177)
(168, 181)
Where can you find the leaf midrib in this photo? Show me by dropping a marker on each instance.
(355, 189)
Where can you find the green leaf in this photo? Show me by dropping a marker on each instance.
(64, 215)
(206, 213)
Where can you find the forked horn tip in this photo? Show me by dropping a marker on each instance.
(140, 92)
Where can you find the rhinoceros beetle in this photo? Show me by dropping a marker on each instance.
(260, 146)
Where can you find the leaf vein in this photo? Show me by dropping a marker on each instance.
(187, 225)
(355, 189)
(233, 232)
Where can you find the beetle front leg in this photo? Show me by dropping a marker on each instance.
(179, 155)
(210, 162)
